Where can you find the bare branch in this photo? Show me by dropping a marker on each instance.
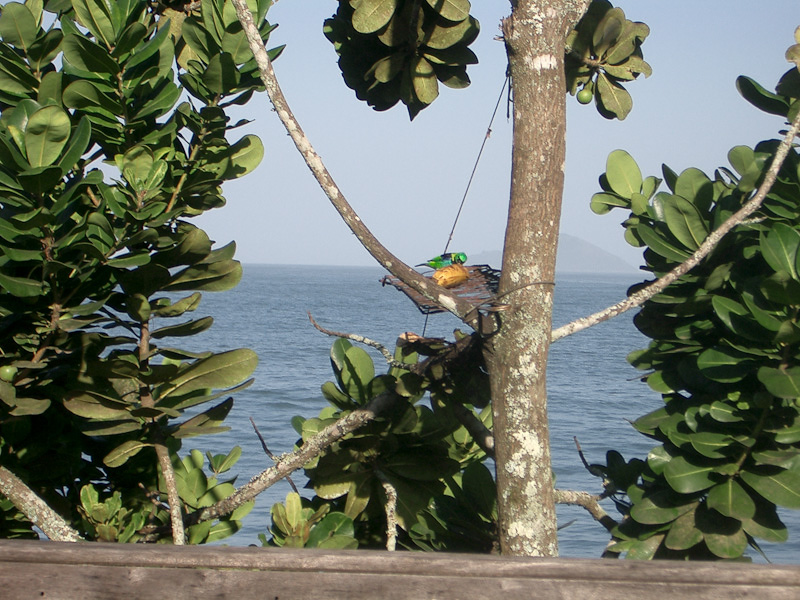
(270, 454)
(588, 501)
(35, 509)
(391, 511)
(430, 290)
(162, 452)
(174, 499)
(288, 463)
(361, 340)
(704, 250)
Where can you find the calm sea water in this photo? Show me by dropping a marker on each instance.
(593, 392)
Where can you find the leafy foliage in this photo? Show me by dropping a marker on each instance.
(445, 493)
(725, 354)
(603, 51)
(101, 263)
(400, 50)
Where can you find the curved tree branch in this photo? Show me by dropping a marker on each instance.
(288, 463)
(425, 286)
(704, 250)
(35, 509)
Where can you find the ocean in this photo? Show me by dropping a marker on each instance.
(593, 392)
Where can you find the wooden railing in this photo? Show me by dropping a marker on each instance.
(87, 571)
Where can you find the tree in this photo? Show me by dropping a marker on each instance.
(535, 35)
(422, 464)
(102, 171)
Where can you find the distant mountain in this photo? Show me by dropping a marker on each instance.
(574, 256)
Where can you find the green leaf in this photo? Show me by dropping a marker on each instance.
(603, 202)
(18, 26)
(46, 135)
(695, 186)
(359, 494)
(83, 54)
(779, 248)
(294, 511)
(78, 142)
(732, 500)
(614, 101)
(660, 507)
(20, 286)
(683, 533)
(335, 530)
(423, 78)
(452, 10)
(684, 220)
(760, 97)
(138, 308)
(730, 543)
(217, 371)
(779, 486)
(353, 367)
(724, 364)
(221, 463)
(176, 309)
(183, 329)
(766, 524)
(781, 382)
(479, 486)
(656, 242)
(623, 174)
(120, 455)
(441, 36)
(95, 15)
(245, 156)
(686, 477)
(744, 160)
(211, 277)
(711, 444)
(87, 96)
(40, 180)
(371, 15)
(608, 30)
(221, 76)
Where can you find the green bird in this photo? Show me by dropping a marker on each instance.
(445, 260)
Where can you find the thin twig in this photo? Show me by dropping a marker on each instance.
(361, 340)
(36, 510)
(704, 250)
(270, 454)
(391, 511)
(430, 290)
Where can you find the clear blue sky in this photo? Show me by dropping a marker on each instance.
(406, 179)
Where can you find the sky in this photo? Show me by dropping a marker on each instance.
(406, 179)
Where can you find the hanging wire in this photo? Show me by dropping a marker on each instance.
(472, 175)
(477, 160)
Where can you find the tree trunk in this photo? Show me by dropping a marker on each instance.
(517, 355)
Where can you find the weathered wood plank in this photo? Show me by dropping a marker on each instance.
(30, 569)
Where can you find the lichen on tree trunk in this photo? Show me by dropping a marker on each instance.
(517, 355)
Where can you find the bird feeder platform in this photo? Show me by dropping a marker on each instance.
(479, 288)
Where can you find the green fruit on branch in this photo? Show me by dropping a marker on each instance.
(8, 372)
(585, 96)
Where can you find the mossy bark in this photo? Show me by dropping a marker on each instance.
(517, 355)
